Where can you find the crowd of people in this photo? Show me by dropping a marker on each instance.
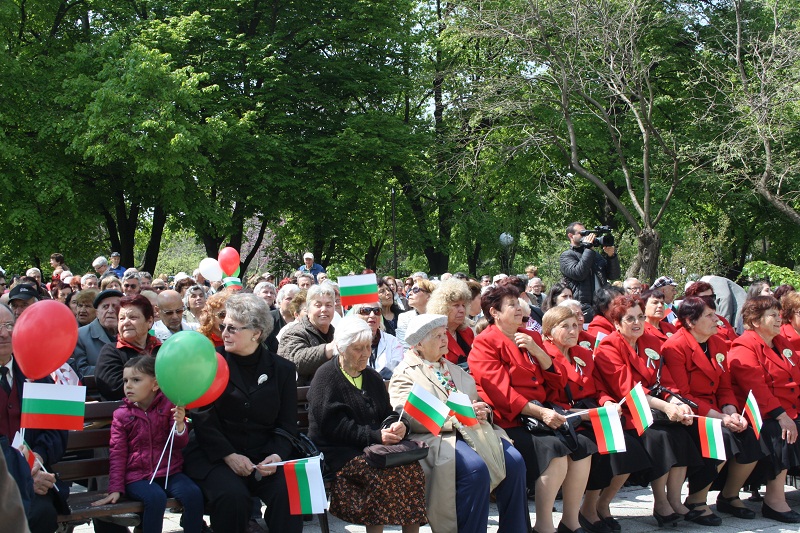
(526, 357)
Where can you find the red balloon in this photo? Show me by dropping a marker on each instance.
(44, 337)
(228, 260)
(217, 386)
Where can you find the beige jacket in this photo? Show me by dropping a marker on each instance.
(440, 465)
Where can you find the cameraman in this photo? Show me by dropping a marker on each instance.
(584, 269)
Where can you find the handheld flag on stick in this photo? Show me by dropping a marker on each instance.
(362, 289)
(639, 408)
(46, 406)
(305, 486)
(426, 409)
(607, 429)
(462, 407)
(753, 413)
(711, 443)
(20, 444)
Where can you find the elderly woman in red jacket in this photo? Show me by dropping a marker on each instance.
(655, 312)
(762, 360)
(790, 312)
(516, 377)
(703, 288)
(697, 360)
(630, 356)
(560, 328)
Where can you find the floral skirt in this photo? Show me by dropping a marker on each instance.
(370, 496)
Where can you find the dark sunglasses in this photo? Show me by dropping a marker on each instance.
(415, 290)
(367, 310)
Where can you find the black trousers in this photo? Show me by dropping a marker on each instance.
(229, 497)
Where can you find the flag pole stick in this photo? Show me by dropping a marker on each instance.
(577, 413)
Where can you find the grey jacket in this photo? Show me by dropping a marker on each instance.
(304, 345)
(91, 339)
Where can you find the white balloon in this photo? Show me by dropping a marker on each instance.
(210, 269)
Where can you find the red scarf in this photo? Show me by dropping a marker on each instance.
(151, 344)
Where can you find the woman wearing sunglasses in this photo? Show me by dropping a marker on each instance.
(212, 316)
(234, 442)
(387, 352)
(418, 298)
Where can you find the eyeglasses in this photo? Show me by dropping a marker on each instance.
(158, 288)
(8, 326)
(633, 319)
(176, 311)
(131, 285)
(416, 290)
(233, 330)
(220, 314)
(367, 310)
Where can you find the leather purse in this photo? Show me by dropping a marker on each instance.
(389, 455)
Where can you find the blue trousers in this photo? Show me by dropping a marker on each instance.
(154, 498)
(472, 492)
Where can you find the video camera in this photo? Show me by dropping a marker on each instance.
(603, 236)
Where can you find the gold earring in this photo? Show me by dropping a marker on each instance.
(253, 339)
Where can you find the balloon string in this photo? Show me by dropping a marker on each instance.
(169, 440)
(169, 457)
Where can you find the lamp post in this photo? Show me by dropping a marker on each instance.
(506, 240)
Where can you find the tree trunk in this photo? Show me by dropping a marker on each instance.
(154, 244)
(645, 265)
(473, 256)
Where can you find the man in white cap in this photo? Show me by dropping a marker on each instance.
(309, 266)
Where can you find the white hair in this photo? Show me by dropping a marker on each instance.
(350, 330)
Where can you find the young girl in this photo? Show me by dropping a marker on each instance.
(139, 432)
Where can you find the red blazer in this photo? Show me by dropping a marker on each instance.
(580, 379)
(705, 382)
(507, 377)
(774, 380)
(667, 330)
(600, 324)
(454, 352)
(617, 368)
(584, 337)
(726, 331)
(787, 330)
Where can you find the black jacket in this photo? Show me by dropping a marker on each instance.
(580, 266)
(242, 420)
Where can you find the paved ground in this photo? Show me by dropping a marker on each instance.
(633, 508)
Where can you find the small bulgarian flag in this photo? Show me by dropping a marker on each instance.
(711, 443)
(426, 409)
(305, 486)
(362, 289)
(20, 444)
(639, 408)
(232, 282)
(754, 413)
(608, 429)
(47, 406)
(462, 407)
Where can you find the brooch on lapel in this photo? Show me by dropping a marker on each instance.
(720, 358)
(586, 344)
(788, 353)
(262, 378)
(579, 364)
(652, 355)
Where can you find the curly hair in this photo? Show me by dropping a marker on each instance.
(755, 307)
(252, 311)
(620, 305)
(447, 293)
(214, 304)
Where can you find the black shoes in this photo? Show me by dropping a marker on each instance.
(698, 517)
(787, 517)
(669, 520)
(725, 505)
(564, 529)
(612, 523)
(593, 527)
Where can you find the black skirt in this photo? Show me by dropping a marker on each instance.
(606, 466)
(539, 450)
(744, 447)
(781, 456)
(668, 446)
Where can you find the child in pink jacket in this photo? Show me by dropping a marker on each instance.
(139, 433)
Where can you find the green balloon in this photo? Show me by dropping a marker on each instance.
(185, 366)
(236, 274)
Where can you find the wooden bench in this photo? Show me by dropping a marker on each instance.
(80, 462)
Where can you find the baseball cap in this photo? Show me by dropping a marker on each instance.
(22, 292)
(663, 281)
(308, 255)
(114, 254)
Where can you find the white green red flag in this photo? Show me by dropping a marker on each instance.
(607, 429)
(305, 486)
(641, 415)
(754, 413)
(361, 289)
(20, 444)
(711, 443)
(426, 409)
(48, 406)
(461, 406)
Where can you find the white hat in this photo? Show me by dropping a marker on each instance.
(180, 275)
(420, 325)
(308, 255)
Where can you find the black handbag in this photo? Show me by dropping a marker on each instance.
(565, 433)
(388, 455)
(303, 446)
